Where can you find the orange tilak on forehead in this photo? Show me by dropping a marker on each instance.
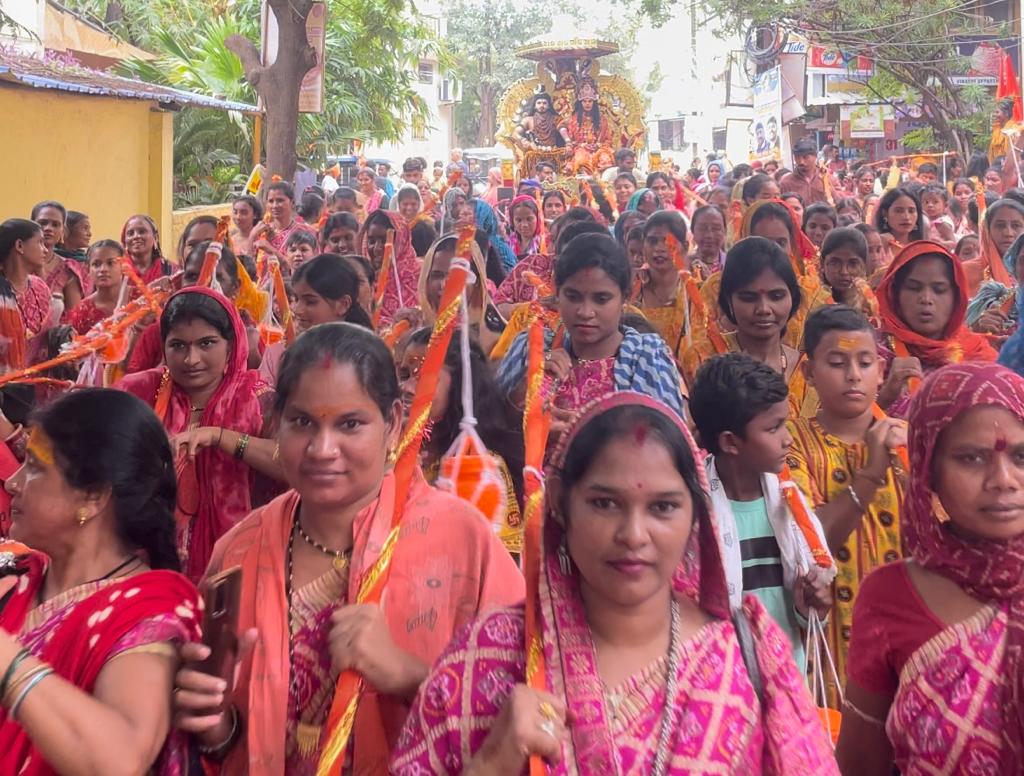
(325, 411)
(41, 446)
(847, 343)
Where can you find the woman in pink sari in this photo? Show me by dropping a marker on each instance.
(936, 678)
(647, 669)
(402, 288)
(205, 384)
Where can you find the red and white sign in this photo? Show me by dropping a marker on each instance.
(822, 60)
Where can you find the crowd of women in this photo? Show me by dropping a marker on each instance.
(748, 453)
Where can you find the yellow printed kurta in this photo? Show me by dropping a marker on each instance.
(803, 399)
(823, 467)
(671, 321)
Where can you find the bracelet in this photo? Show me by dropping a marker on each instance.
(240, 448)
(16, 661)
(23, 679)
(856, 498)
(29, 687)
(220, 750)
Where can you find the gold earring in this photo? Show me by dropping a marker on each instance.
(939, 511)
(82, 516)
(392, 456)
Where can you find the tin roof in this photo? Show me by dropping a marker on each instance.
(66, 75)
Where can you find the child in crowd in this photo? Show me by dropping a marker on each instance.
(819, 219)
(739, 406)
(969, 248)
(935, 203)
(105, 273)
(844, 459)
(300, 248)
(844, 267)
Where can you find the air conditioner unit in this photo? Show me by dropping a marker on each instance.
(449, 90)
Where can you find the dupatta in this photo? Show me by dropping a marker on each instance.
(803, 254)
(793, 738)
(478, 311)
(218, 494)
(514, 240)
(404, 272)
(159, 267)
(82, 641)
(989, 570)
(957, 342)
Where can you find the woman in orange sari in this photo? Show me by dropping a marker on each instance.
(91, 618)
(305, 556)
(922, 307)
(205, 383)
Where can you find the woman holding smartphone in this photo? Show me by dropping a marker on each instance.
(304, 558)
(92, 617)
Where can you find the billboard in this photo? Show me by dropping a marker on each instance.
(982, 55)
(766, 128)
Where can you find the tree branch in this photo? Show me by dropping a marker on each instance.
(246, 51)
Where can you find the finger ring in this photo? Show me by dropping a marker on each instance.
(548, 711)
(548, 727)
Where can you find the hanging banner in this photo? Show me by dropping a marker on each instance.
(766, 128)
(866, 122)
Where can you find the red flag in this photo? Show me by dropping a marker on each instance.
(1009, 86)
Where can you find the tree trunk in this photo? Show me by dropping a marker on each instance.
(488, 119)
(278, 85)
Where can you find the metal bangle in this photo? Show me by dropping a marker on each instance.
(240, 448)
(16, 661)
(23, 679)
(29, 687)
(219, 751)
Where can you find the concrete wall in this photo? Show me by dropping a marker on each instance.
(105, 157)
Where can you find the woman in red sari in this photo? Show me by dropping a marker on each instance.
(66, 278)
(90, 619)
(22, 252)
(936, 668)
(205, 383)
(922, 306)
(402, 288)
(142, 242)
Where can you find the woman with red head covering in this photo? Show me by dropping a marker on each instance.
(922, 306)
(402, 288)
(205, 383)
(936, 675)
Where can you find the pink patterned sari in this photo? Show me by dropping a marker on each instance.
(960, 700)
(721, 723)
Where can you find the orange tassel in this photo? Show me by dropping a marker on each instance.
(901, 451)
(803, 519)
(281, 299)
(536, 423)
(392, 336)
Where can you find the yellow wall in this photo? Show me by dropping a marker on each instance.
(105, 157)
(182, 217)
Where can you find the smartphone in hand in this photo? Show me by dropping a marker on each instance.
(221, 595)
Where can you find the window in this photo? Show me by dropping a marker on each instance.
(671, 134)
(426, 72)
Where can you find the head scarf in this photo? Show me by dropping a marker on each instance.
(638, 195)
(993, 292)
(802, 252)
(479, 265)
(957, 342)
(619, 230)
(494, 181)
(221, 482)
(487, 222)
(393, 204)
(794, 740)
(987, 569)
(989, 265)
(448, 204)
(515, 242)
(404, 272)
